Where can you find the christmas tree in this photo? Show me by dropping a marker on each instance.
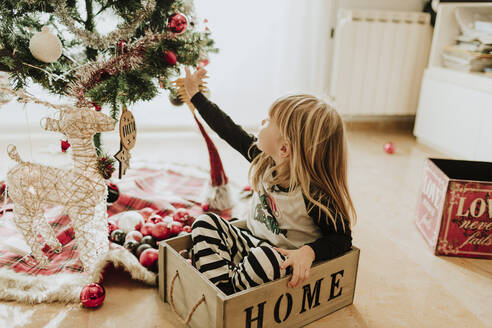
(69, 57)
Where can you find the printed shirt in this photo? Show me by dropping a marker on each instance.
(278, 215)
(281, 217)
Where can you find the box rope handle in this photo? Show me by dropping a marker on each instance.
(188, 318)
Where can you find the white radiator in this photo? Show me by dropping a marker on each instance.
(379, 59)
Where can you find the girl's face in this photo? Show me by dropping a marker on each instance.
(270, 140)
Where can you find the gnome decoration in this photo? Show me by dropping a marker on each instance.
(218, 196)
(45, 46)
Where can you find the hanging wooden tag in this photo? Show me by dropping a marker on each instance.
(128, 138)
(128, 130)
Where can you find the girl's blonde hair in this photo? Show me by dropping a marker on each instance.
(318, 155)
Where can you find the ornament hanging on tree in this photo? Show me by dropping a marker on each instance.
(177, 23)
(170, 57)
(203, 60)
(97, 107)
(92, 295)
(105, 165)
(128, 138)
(45, 46)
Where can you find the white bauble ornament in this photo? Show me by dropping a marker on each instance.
(128, 220)
(168, 220)
(45, 46)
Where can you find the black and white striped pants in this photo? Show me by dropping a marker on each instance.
(226, 254)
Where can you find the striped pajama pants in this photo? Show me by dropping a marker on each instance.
(228, 255)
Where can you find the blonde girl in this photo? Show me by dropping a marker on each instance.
(301, 208)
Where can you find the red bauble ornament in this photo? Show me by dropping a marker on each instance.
(160, 231)
(389, 147)
(187, 228)
(149, 258)
(177, 23)
(170, 57)
(190, 221)
(176, 227)
(181, 215)
(112, 227)
(64, 145)
(154, 218)
(97, 107)
(203, 63)
(92, 295)
(146, 229)
(205, 207)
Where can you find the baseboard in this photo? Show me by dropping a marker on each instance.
(380, 123)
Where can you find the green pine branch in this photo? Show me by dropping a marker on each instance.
(19, 20)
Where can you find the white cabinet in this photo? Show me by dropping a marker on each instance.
(455, 108)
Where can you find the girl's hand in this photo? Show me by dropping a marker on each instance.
(300, 260)
(193, 81)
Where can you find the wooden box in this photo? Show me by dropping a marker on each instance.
(331, 286)
(454, 212)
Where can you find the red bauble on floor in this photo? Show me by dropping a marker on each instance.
(176, 227)
(149, 258)
(146, 229)
(389, 147)
(92, 295)
(160, 231)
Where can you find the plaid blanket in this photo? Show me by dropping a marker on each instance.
(140, 188)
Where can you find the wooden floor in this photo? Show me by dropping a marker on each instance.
(400, 282)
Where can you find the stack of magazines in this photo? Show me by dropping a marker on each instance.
(473, 49)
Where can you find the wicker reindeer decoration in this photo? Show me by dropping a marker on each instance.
(81, 190)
